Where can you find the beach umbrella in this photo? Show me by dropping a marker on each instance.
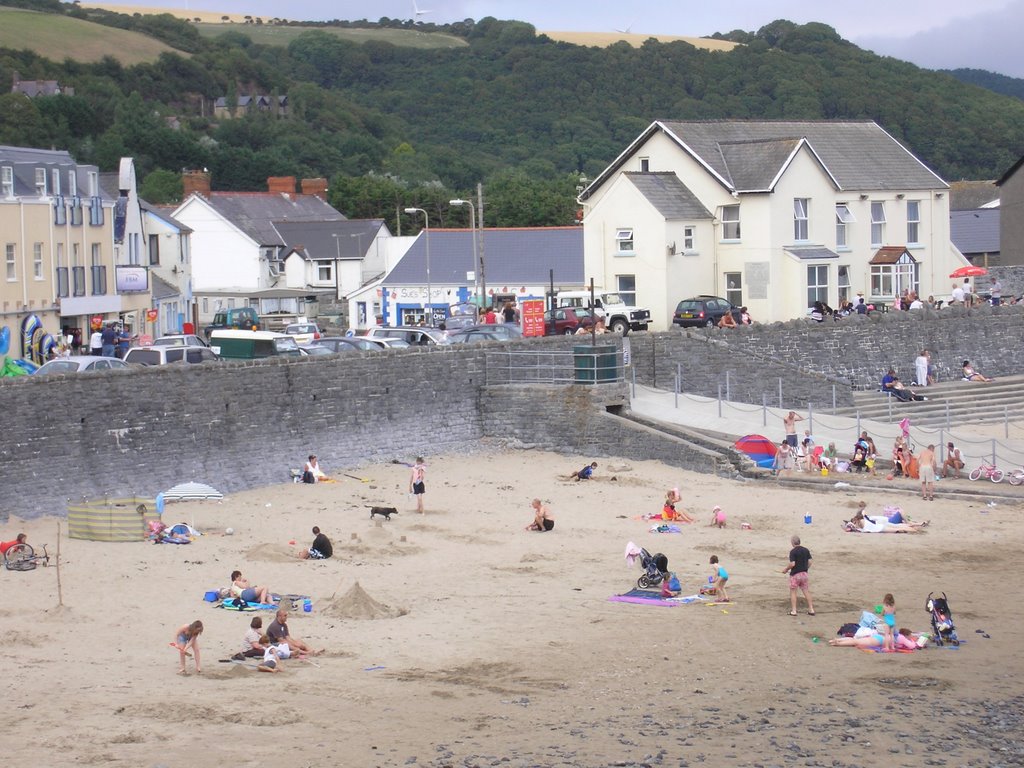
(188, 492)
(759, 448)
(968, 271)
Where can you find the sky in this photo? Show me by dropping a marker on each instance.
(937, 34)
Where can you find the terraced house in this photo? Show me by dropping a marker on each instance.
(60, 250)
(770, 215)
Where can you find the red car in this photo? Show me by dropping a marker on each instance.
(562, 321)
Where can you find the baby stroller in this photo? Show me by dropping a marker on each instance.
(655, 569)
(860, 458)
(942, 620)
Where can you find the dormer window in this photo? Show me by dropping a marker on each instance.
(7, 181)
(56, 182)
(41, 182)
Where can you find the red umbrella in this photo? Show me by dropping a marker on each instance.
(759, 448)
(969, 271)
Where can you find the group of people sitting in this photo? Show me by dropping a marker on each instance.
(729, 321)
(272, 646)
(893, 521)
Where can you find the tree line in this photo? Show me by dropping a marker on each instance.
(392, 127)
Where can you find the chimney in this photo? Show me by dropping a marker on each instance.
(195, 181)
(316, 187)
(285, 184)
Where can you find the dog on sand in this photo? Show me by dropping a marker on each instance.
(385, 512)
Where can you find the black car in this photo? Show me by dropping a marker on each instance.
(349, 344)
(499, 331)
(703, 311)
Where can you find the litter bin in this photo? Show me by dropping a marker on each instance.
(595, 365)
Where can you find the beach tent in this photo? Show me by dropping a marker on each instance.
(759, 448)
(111, 519)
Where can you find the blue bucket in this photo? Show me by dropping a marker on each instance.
(807, 519)
(211, 597)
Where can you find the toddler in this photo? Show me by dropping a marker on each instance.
(717, 517)
(889, 617)
(719, 577)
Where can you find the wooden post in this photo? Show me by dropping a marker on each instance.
(60, 591)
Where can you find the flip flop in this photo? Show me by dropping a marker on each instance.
(811, 613)
(792, 613)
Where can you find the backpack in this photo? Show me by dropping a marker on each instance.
(848, 630)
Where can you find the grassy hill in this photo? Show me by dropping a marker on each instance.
(58, 37)
(274, 34)
(604, 39)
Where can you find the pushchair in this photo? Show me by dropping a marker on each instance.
(655, 569)
(942, 620)
(860, 458)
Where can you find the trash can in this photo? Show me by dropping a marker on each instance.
(595, 364)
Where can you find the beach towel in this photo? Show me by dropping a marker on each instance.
(666, 529)
(647, 597)
(234, 604)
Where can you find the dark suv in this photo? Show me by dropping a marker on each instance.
(703, 311)
(238, 318)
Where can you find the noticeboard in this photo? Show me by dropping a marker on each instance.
(532, 314)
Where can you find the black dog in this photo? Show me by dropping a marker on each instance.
(385, 512)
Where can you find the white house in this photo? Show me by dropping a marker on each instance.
(170, 265)
(770, 215)
(238, 252)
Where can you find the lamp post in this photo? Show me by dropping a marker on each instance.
(426, 229)
(477, 271)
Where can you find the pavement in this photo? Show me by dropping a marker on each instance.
(732, 420)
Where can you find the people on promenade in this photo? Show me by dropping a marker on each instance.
(954, 462)
(970, 374)
(789, 422)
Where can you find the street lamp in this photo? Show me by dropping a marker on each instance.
(478, 270)
(426, 229)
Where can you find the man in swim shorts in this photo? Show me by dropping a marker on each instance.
(926, 468)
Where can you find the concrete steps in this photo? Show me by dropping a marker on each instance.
(948, 403)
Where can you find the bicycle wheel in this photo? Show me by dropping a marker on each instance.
(1016, 477)
(975, 474)
(996, 476)
(19, 558)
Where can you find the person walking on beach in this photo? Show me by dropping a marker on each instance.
(799, 565)
(187, 639)
(417, 482)
(790, 423)
(926, 468)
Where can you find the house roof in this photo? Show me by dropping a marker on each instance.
(24, 161)
(327, 239)
(812, 252)
(511, 257)
(1010, 171)
(859, 155)
(968, 195)
(974, 232)
(890, 254)
(163, 212)
(669, 196)
(255, 213)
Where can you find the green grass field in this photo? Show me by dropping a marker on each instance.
(269, 34)
(60, 37)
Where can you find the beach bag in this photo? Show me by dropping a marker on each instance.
(848, 630)
(673, 583)
(868, 619)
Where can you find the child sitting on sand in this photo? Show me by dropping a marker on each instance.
(584, 474)
(670, 586)
(718, 580)
(669, 511)
(271, 660)
(717, 517)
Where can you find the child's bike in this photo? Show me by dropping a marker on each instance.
(22, 557)
(1015, 476)
(988, 471)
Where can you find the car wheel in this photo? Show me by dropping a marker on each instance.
(620, 327)
(710, 323)
(568, 332)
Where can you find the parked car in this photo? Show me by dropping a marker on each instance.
(388, 343)
(413, 334)
(252, 345)
(499, 331)
(304, 333)
(703, 311)
(81, 364)
(165, 355)
(475, 335)
(238, 318)
(179, 340)
(561, 321)
(350, 344)
(315, 350)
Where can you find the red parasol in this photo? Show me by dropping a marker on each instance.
(969, 271)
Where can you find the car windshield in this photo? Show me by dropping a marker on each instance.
(144, 356)
(285, 344)
(58, 366)
(301, 328)
(690, 306)
(611, 298)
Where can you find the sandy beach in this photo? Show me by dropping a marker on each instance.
(458, 638)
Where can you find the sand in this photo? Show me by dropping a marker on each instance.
(458, 638)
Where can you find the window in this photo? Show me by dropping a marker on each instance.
(60, 211)
(8, 181)
(843, 217)
(73, 183)
(231, 303)
(844, 284)
(56, 181)
(11, 259)
(154, 250)
(689, 239)
(800, 226)
(877, 222)
(913, 221)
(730, 222)
(94, 183)
(96, 219)
(98, 270)
(206, 306)
(76, 211)
(41, 182)
(37, 261)
(77, 271)
(624, 240)
(817, 284)
(626, 285)
(324, 271)
(62, 273)
(645, 164)
(734, 288)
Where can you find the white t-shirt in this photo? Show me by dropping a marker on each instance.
(958, 294)
(96, 340)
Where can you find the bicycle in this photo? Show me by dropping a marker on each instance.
(1015, 476)
(988, 471)
(22, 557)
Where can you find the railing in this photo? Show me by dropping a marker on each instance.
(597, 365)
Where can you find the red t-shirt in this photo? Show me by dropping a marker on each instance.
(5, 545)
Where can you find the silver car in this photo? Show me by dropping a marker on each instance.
(81, 364)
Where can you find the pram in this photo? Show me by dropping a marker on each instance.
(655, 569)
(942, 620)
(860, 458)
